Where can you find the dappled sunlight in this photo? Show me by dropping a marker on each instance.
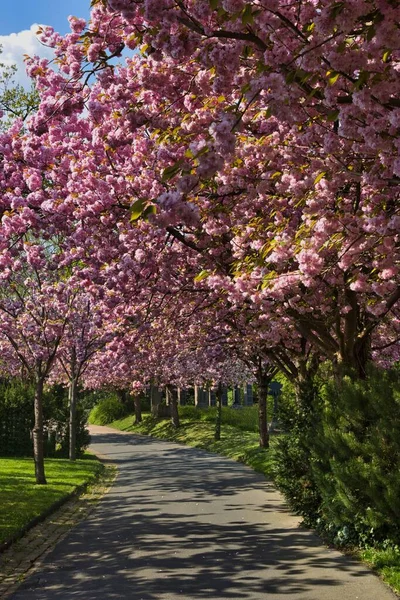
(181, 522)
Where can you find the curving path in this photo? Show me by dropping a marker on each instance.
(182, 523)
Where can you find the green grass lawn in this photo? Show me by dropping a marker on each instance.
(21, 500)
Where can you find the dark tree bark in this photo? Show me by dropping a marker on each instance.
(138, 408)
(265, 374)
(37, 433)
(218, 421)
(72, 398)
(262, 411)
(173, 402)
(155, 400)
(72, 393)
(122, 396)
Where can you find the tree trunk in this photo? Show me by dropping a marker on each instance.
(122, 396)
(138, 408)
(38, 446)
(354, 361)
(72, 396)
(155, 399)
(263, 382)
(173, 402)
(217, 434)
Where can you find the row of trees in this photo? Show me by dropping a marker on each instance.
(224, 201)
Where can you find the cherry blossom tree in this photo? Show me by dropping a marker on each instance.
(88, 330)
(251, 148)
(34, 311)
(265, 138)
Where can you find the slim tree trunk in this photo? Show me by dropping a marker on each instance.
(173, 402)
(155, 399)
(122, 396)
(38, 446)
(138, 408)
(263, 382)
(72, 393)
(217, 433)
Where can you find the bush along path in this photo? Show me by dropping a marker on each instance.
(197, 430)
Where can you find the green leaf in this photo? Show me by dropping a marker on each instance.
(313, 92)
(149, 210)
(171, 171)
(202, 275)
(137, 209)
(386, 56)
(214, 4)
(144, 48)
(336, 9)
(371, 32)
(333, 76)
(362, 79)
(290, 77)
(247, 52)
(319, 177)
(333, 115)
(247, 15)
(308, 28)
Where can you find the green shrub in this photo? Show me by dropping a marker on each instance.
(108, 410)
(56, 413)
(293, 457)
(245, 418)
(82, 435)
(356, 456)
(338, 465)
(192, 413)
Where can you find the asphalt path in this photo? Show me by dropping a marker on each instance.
(183, 523)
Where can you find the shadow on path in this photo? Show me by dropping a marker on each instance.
(182, 523)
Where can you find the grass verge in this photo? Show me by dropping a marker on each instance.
(22, 501)
(384, 562)
(242, 446)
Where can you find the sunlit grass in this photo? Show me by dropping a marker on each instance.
(21, 500)
(386, 563)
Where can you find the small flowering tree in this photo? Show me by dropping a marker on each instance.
(86, 334)
(34, 311)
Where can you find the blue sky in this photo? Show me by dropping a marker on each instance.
(19, 15)
(18, 27)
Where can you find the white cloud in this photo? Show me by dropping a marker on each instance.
(15, 45)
